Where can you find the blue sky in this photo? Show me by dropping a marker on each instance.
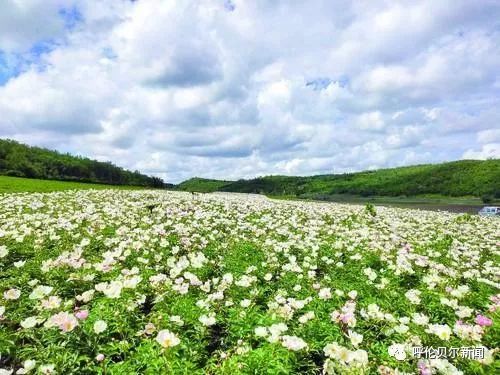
(231, 89)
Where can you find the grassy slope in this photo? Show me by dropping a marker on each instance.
(18, 184)
(202, 185)
(471, 178)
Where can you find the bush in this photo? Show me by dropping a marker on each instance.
(370, 209)
(487, 198)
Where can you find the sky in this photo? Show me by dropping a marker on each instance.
(236, 89)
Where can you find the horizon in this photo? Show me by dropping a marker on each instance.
(276, 175)
(227, 90)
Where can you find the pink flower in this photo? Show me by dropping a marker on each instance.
(483, 321)
(82, 314)
(346, 318)
(65, 321)
(424, 369)
(99, 357)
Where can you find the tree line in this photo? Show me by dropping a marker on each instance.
(20, 160)
(479, 178)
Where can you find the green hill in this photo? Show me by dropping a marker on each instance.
(19, 160)
(202, 185)
(459, 178)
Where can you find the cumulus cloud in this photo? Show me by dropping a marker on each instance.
(25, 23)
(232, 89)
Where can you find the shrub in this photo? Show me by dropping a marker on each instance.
(487, 198)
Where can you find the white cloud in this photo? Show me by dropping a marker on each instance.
(204, 88)
(490, 150)
(26, 22)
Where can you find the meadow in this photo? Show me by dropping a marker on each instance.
(10, 184)
(164, 282)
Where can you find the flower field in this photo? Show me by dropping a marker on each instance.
(155, 282)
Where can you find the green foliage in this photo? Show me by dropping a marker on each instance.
(201, 185)
(455, 179)
(370, 209)
(487, 198)
(20, 160)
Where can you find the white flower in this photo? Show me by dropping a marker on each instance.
(401, 328)
(53, 302)
(29, 322)
(413, 295)
(113, 290)
(40, 291)
(167, 339)
(306, 317)
(207, 320)
(359, 356)
(293, 343)
(355, 338)
(47, 369)
(149, 328)
(28, 365)
(2, 311)
(352, 294)
(12, 294)
(277, 329)
(260, 331)
(131, 283)
(325, 293)
(100, 326)
(331, 350)
(245, 303)
(85, 296)
(464, 312)
(420, 319)
(397, 351)
(442, 331)
(372, 275)
(3, 251)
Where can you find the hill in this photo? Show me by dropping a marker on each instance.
(202, 185)
(459, 178)
(20, 160)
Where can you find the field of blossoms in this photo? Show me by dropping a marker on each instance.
(156, 282)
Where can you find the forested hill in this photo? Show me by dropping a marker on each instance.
(459, 178)
(17, 159)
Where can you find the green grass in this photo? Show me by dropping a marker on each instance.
(30, 185)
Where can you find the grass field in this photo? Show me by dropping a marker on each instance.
(18, 185)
